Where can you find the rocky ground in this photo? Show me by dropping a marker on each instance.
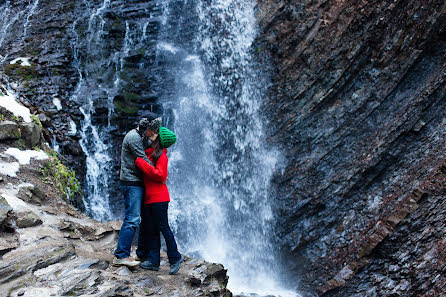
(49, 248)
(358, 110)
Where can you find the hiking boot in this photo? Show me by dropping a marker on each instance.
(176, 266)
(129, 262)
(149, 265)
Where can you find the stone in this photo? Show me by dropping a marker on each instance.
(44, 119)
(8, 241)
(32, 194)
(123, 271)
(216, 271)
(9, 130)
(196, 276)
(27, 219)
(5, 208)
(31, 133)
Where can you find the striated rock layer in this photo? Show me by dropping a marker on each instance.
(358, 106)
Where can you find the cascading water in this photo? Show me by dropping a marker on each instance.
(209, 88)
(9, 18)
(87, 55)
(220, 168)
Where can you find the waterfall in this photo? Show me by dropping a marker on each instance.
(28, 16)
(9, 17)
(87, 53)
(211, 89)
(199, 59)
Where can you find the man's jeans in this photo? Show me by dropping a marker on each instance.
(154, 220)
(133, 197)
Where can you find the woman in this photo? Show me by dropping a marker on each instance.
(156, 203)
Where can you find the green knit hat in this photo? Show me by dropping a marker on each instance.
(167, 137)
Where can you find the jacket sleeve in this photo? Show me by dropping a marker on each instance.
(137, 148)
(158, 173)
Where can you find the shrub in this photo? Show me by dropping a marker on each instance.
(61, 176)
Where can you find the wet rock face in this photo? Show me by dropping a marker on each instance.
(357, 106)
(52, 45)
(37, 31)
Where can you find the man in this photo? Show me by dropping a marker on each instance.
(132, 185)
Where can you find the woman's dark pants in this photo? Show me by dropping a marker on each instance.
(154, 221)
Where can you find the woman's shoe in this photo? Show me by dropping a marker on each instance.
(149, 265)
(175, 266)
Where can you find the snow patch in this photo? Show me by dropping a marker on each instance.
(57, 103)
(22, 61)
(9, 102)
(16, 203)
(9, 169)
(24, 157)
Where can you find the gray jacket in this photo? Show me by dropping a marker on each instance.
(132, 147)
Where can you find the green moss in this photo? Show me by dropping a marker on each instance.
(15, 118)
(131, 97)
(61, 176)
(127, 103)
(2, 117)
(36, 120)
(142, 51)
(18, 71)
(21, 143)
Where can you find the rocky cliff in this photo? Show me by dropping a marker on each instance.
(358, 106)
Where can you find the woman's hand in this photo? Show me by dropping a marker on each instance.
(153, 137)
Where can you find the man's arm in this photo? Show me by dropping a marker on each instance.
(137, 148)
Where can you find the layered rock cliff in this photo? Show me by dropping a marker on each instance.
(358, 106)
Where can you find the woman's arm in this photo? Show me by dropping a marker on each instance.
(158, 173)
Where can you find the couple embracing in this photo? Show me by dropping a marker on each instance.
(146, 197)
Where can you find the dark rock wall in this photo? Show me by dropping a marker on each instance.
(51, 74)
(62, 49)
(358, 106)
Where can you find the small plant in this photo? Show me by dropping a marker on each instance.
(15, 118)
(36, 120)
(61, 176)
(21, 143)
(2, 117)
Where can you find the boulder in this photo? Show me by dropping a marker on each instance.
(31, 133)
(4, 210)
(27, 219)
(206, 273)
(9, 130)
(32, 194)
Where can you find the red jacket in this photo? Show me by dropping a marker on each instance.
(154, 178)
